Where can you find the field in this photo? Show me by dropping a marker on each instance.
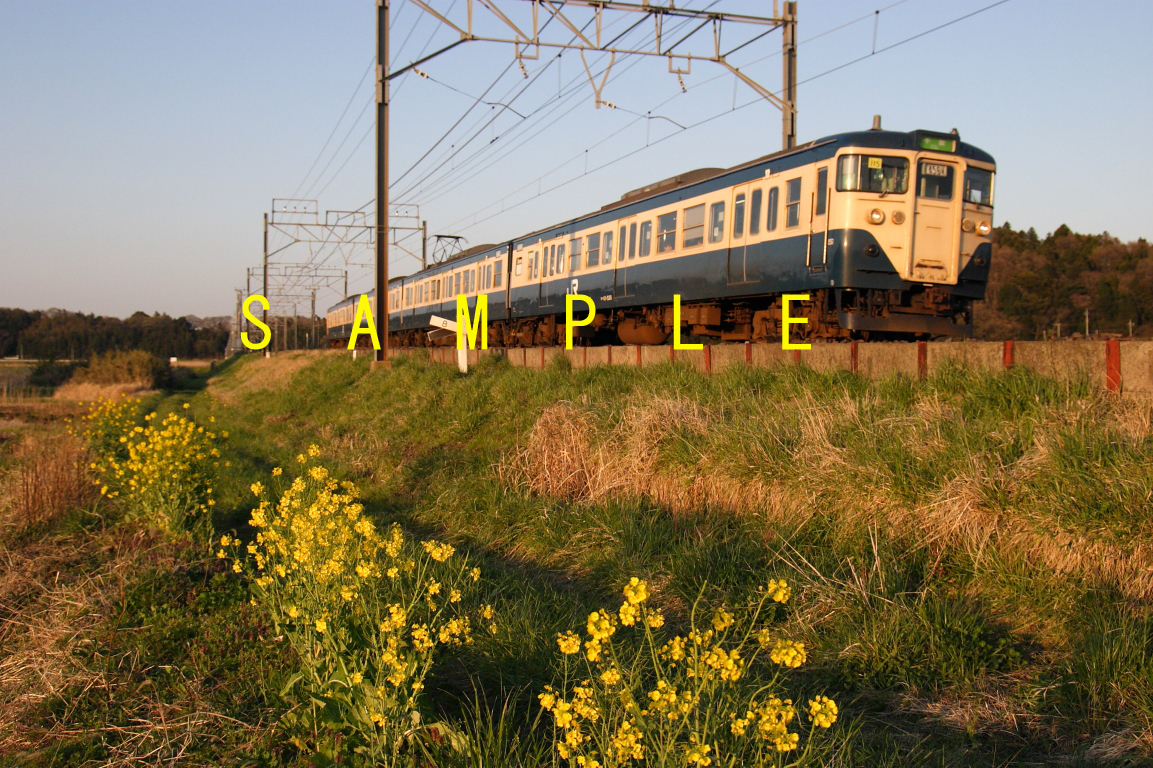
(969, 557)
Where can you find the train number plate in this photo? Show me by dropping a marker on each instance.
(932, 169)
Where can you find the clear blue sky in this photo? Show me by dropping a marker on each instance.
(140, 142)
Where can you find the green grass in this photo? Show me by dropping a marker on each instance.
(923, 525)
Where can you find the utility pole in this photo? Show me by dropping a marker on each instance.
(789, 92)
(1086, 323)
(424, 245)
(1130, 329)
(381, 357)
(312, 324)
(265, 294)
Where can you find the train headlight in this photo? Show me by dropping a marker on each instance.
(966, 225)
(898, 217)
(983, 229)
(876, 216)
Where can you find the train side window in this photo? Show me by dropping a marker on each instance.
(560, 259)
(755, 212)
(667, 232)
(594, 251)
(774, 201)
(550, 256)
(621, 243)
(519, 266)
(694, 232)
(793, 203)
(498, 274)
(717, 222)
(574, 249)
(935, 180)
(456, 279)
(632, 240)
(822, 190)
(408, 297)
(739, 216)
(607, 256)
(646, 238)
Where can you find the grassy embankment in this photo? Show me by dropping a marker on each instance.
(970, 555)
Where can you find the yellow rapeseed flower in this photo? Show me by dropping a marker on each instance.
(823, 711)
(569, 643)
(788, 653)
(636, 591)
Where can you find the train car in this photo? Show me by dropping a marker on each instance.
(889, 233)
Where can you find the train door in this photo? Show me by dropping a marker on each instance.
(934, 253)
(506, 278)
(626, 256)
(546, 270)
(738, 257)
(819, 221)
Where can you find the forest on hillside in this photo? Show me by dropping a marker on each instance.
(1038, 282)
(58, 335)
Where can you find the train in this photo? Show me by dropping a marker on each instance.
(889, 234)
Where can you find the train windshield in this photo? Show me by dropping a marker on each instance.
(978, 186)
(873, 173)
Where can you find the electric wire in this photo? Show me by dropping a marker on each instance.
(506, 208)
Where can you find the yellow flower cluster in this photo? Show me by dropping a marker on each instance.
(779, 591)
(107, 421)
(788, 653)
(616, 716)
(163, 470)
(772, 719)
(365, 610)
(569, 643)
(570, 715)
(823, 711)
(627, 742)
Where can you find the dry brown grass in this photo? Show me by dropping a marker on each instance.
(90, 393)
(588, 463)
(262, 374)
(52, 478)
(591, 458)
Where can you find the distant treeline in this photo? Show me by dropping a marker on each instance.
(58, 335)
(1039, 282)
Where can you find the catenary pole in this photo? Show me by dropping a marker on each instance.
(265, 289)
(789, 94)
(381, 357)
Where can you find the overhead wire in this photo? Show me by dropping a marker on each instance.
(505, 208)
(565, 95)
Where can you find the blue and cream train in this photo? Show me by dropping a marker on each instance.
(889, 233)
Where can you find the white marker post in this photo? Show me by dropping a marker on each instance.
(444, 328)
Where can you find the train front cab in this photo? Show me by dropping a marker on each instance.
(915, 230)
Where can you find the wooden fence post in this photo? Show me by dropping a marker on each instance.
(1113, 365)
